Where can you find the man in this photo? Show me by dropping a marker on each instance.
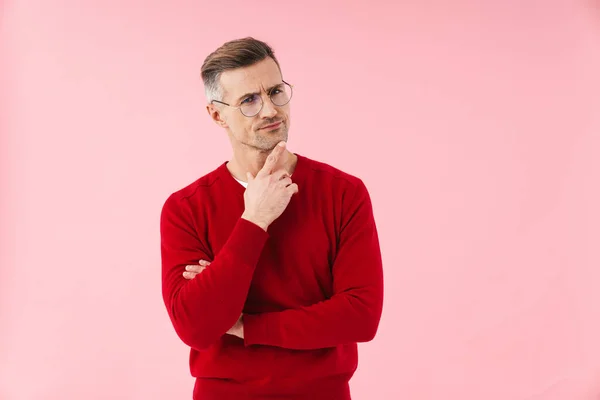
(271, 267)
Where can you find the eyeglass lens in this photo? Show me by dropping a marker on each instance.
(280, 96)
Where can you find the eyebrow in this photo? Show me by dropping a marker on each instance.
(250, 94)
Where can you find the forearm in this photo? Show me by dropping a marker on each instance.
(345, 318)
(352, 313)
(204, 308)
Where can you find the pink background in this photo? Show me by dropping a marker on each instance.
(475, 126)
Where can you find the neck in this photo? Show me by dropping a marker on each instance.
(252, 160)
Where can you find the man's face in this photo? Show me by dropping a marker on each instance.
(246, 86)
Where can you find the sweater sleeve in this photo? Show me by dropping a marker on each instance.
(353, 312)
(204, 308)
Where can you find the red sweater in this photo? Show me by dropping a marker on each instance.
(310, 288)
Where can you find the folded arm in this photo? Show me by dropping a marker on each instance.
(206, 307)
(353, 312)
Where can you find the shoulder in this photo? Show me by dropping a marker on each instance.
(346, 192)
(198, 188)
(339, 180)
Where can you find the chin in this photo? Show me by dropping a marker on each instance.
(270, 140)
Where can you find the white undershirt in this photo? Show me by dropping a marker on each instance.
(244, 184)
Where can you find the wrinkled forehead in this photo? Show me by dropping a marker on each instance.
(252, 79)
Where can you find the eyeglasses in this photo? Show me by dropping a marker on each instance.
(251, 105)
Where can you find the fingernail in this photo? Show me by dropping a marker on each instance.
(281, 144)
(187, 267)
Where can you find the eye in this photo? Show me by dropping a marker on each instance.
(276, 90)
(249, 99)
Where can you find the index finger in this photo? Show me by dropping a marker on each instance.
(194, 268)
(272, 160)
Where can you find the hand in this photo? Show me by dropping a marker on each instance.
(192, 270)
(238, 328)
(269, 193)
(190, 273)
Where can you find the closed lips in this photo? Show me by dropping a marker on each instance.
(272, 125)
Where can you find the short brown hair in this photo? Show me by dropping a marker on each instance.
(234, 54)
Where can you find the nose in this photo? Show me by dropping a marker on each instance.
(268, 109)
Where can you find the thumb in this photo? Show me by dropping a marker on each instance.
(249, 176)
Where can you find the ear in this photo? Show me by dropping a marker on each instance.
(215, 115)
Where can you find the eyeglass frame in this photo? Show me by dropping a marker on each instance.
(262, 103)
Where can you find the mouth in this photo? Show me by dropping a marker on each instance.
(272, 126)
